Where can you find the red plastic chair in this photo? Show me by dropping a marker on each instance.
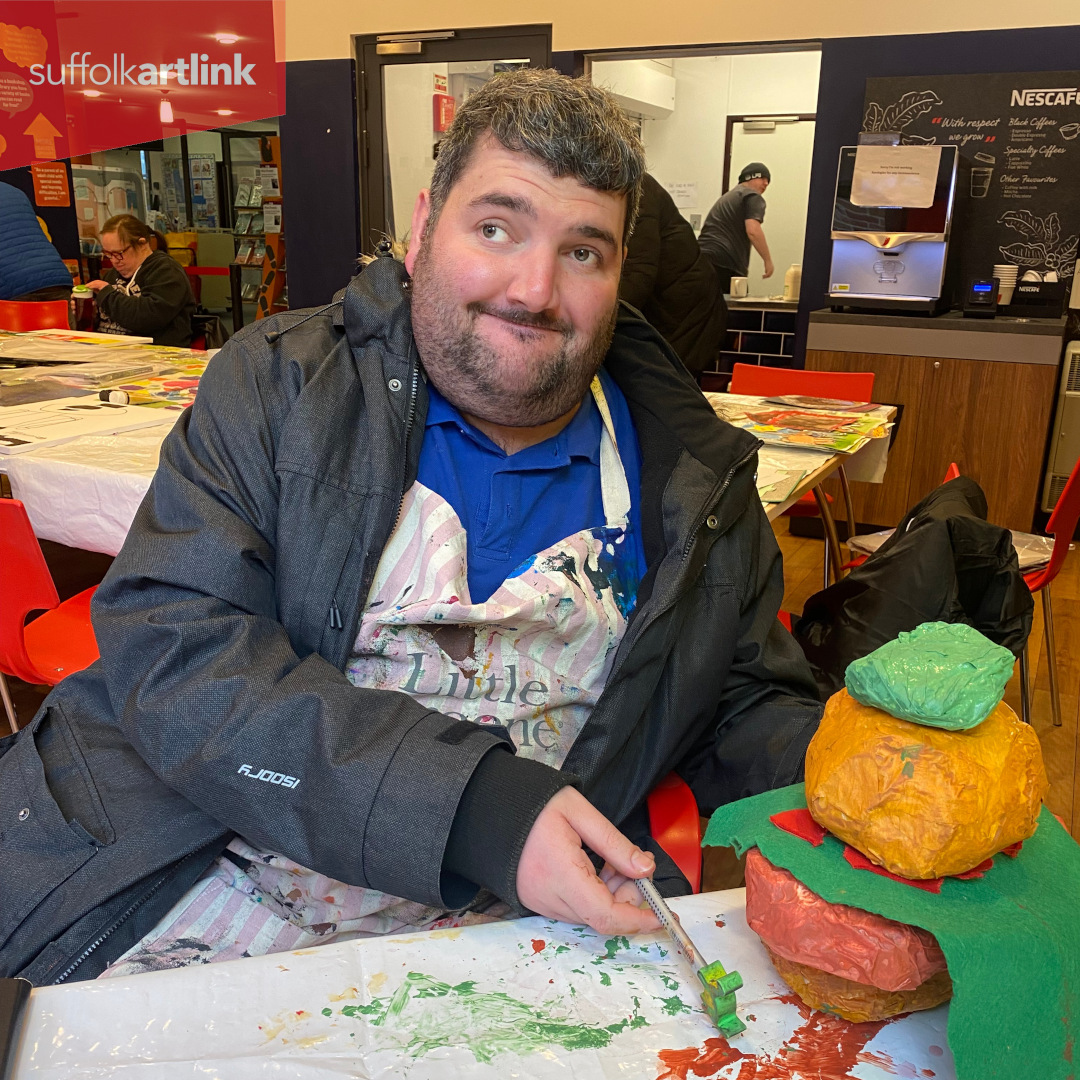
(676, 825)
(22, 315)
(951, 473)
(753, 379)
(1062, 525)
(54, 644)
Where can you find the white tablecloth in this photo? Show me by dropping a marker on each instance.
(532, 998)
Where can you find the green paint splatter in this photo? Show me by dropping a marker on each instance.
(362, 1010)
(430, 1015)
(561, 949)
(613, 945)
(669, 982)
(578, 971)
(328, 1011)
(605, 979)
(674, 1005)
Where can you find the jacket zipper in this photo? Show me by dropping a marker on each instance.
(123, 918)
(641, 625)
(336, 622)
(718, 494)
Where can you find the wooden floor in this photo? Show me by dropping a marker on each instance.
(1060, 745)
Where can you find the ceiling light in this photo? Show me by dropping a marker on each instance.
(165, 111)
(226, 39)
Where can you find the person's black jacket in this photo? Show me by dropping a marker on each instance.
(944, 563)
(669, 280)
(227, 619)
(164, 306)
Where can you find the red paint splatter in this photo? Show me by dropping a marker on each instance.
(721, 923)
(823, 1046)
(799, 823)
(929, 1072)
(538, 945)
(936, 1051)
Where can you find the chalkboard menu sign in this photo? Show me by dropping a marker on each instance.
(1019, 139)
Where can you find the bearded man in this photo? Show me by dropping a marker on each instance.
(431, 588)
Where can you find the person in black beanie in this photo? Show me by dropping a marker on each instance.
(734, 224)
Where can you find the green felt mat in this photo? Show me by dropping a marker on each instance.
(1011, 938)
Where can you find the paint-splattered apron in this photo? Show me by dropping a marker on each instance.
(534, 657)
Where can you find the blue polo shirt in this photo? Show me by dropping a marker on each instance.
(515, 506)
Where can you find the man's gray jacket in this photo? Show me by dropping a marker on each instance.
(219, 705)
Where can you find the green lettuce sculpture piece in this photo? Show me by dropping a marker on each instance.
(945, 675)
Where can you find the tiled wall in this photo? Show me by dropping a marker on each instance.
(758, 337)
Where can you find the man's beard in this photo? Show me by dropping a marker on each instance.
(468, 371)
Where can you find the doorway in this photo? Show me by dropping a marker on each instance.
(785, 144)
(409, 87)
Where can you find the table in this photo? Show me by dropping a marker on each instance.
(532, 998)
(85, 493)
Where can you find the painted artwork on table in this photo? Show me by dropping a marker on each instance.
(527, 998)
(46, 423)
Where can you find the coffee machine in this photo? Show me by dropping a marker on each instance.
(889, 257)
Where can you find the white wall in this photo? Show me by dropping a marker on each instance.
(322, 29)
(688, 146)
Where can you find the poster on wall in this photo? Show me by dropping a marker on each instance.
(172, 189)
(1018, 141)
(204, 208)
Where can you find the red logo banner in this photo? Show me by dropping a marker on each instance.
(83, 75)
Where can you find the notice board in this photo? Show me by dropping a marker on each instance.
(1018, 136)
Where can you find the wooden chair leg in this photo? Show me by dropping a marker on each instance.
(9, 705)
(1025, 705)
(833, 558)
(1051, 656)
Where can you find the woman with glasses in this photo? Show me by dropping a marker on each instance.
(146, 292)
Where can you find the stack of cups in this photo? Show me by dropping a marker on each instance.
(1006, 276)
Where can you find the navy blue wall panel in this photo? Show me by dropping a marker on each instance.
(846, 63)
(320, 179)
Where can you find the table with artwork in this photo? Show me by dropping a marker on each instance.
(526, 998)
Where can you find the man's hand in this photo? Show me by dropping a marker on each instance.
(768, 269)
(96, 284)
(555, 877)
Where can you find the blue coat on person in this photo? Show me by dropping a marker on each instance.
(27, 260)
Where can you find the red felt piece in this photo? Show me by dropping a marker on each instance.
(975, 871)
(860, 862)
(1013, 849)
(799, 823)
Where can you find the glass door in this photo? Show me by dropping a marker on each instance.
(410, 86)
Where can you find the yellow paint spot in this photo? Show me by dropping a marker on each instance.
(376, 982)
(311, 1040)
(305, 952)
(274, 1027)
(348, 993)
(451, 933)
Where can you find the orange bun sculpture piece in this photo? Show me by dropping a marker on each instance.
(921, 801)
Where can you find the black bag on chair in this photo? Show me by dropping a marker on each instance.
(212, 328)
(944, 563)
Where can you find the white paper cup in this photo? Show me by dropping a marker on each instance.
(1005, 294)
(740, 286)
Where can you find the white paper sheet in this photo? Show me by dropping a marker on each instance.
(895, 175)
(531, 998)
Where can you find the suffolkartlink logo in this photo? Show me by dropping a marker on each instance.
(268, 776)
(196, 70)
(1061, 95)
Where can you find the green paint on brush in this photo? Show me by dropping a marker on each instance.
(429, 1015)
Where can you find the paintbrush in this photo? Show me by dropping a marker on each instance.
(718, 985)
